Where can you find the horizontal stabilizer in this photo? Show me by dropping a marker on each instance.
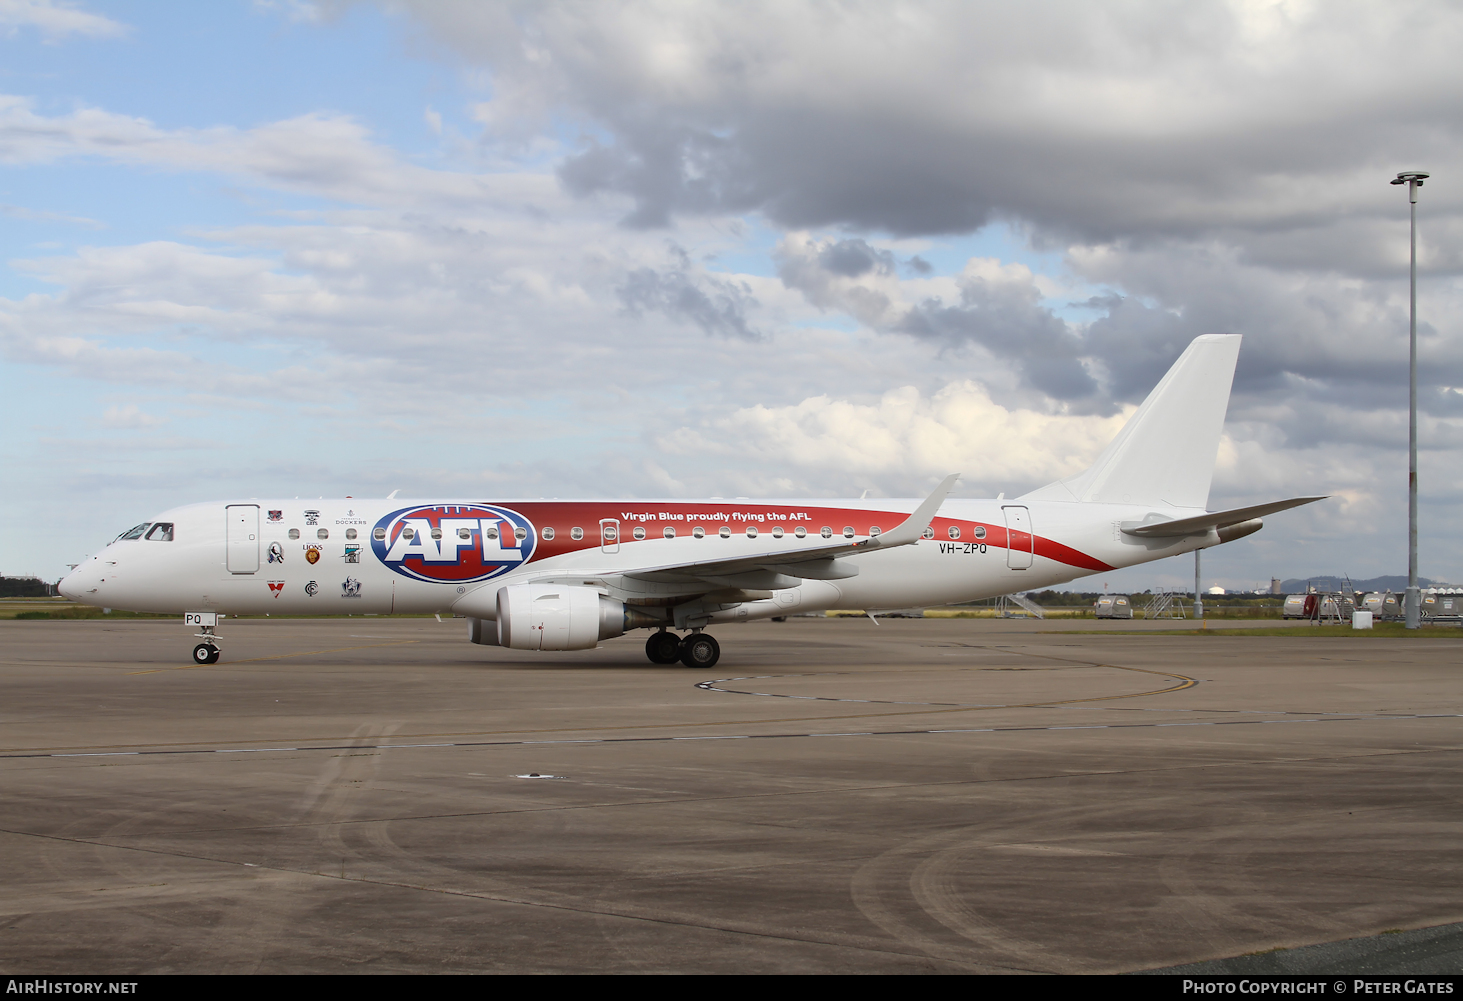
(1202, 523)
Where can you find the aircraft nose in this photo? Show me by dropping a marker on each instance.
(70, 585)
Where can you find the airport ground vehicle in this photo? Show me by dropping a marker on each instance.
(1113, 606)
(565, 575)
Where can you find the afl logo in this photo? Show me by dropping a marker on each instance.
(453, 543)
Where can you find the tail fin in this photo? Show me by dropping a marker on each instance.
(1165, 453)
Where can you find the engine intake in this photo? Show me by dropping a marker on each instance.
(562, 617)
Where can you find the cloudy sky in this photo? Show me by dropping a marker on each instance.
(763, 249)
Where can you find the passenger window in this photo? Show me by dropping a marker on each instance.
(548, 535)
(436, 533)
(576, 533)
(826, 532)
(379, 535)
(698, 532)
(980, 531)
(724, 532)
(928, 533)
(323, 533)
(954, 531)
(777, 532)
(411, 533)
(848, 531)
(520, 534)
(463, 533)
(875, 530)
(669, 533)
(800, 532)
(492, 533)
(639, 533)
(295, 533)
(350, 533)
(751, 531)
(161, 532)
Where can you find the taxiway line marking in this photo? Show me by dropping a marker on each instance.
(1356, 718)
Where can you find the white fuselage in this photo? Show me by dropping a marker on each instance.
(335, 557)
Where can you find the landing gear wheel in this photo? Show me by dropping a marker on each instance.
(700, 650)
(205, 653)
(663, 647)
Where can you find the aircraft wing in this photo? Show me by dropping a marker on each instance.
(1202, 523)
(815, 562)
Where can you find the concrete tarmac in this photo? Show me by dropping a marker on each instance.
(378, 795)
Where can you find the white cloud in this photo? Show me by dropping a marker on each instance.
(56, 20)
(906, 437)
(130, 416)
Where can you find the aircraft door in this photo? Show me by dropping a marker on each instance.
(609, 535)
(1020, 542)
(243, 537)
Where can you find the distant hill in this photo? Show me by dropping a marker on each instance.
(1396, 583)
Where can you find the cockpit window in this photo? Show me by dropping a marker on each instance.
(161, 532)
(133, 533)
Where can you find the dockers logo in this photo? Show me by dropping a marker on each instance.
(454, 543)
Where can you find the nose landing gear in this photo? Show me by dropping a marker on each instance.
(206, 652)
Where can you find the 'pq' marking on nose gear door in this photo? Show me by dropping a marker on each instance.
(454, 544)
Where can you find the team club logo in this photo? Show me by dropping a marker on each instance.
(312, 589)
(312, 555)
(454, 543)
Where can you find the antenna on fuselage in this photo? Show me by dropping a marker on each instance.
(392, 495)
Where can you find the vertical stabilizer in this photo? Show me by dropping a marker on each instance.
(1165, 453)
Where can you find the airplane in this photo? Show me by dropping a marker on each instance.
(566, 575)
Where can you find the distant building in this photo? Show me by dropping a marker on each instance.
(1275, 586)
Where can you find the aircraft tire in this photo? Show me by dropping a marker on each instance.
(663, 647)
(700, 651)
(205, 653)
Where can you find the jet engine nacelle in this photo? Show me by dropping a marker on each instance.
(561, 617)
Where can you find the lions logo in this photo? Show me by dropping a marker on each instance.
(454, 543)
(312, 555)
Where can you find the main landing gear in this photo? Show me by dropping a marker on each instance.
(696, 650)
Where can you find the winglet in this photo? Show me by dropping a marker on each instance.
(913, 527)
